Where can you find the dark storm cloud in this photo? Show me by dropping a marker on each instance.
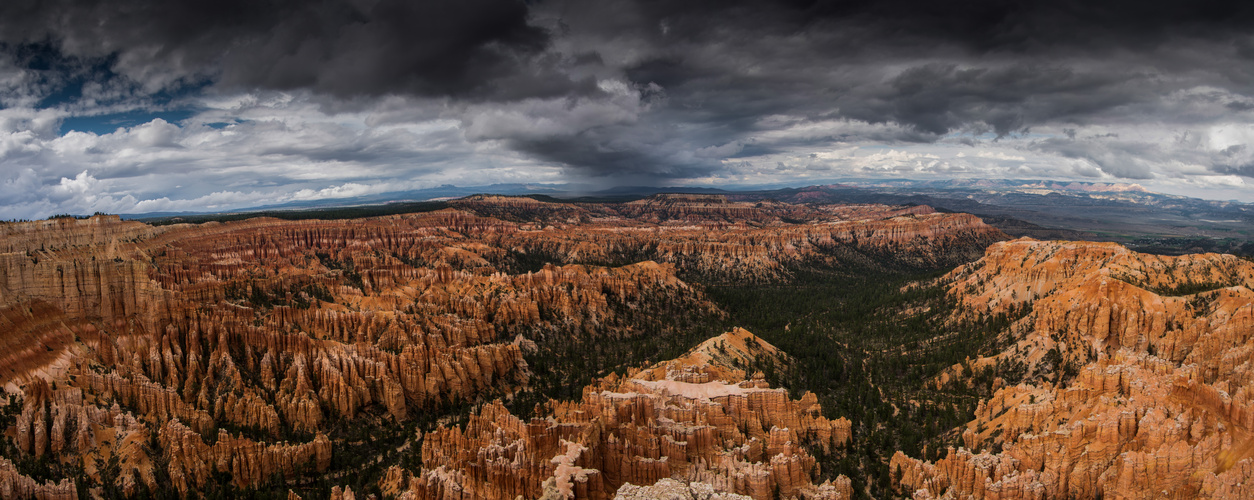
(608, 153)
(979, 26)
(1000, 64)
(1235, 159)
(932, 68)
(614, 156)
(671, 89)
(345, 48)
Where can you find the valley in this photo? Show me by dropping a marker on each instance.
(510, 346)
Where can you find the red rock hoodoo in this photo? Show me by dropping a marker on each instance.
(696, 418)
(1160, 403)
(234, 348)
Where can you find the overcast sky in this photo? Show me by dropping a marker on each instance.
(128, 106)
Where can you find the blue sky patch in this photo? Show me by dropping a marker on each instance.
(104, 124)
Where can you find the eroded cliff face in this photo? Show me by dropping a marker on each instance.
(696, 419)
(710, 237)
(1158, 400)
(15, 485)
(190, 352)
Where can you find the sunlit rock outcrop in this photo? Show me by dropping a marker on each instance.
(1159, 404)
(696, 419)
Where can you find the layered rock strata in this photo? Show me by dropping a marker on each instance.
(707, 235)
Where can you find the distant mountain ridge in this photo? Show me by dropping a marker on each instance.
(1041, 209)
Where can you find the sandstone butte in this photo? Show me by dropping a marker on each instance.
(697, 418)
(121, 338)
(1160, 406)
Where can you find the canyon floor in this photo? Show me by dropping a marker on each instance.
(677, 346)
